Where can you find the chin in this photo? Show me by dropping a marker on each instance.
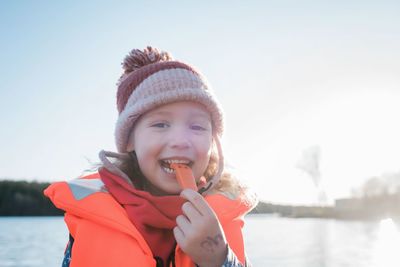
(166, 191)
(175, 191)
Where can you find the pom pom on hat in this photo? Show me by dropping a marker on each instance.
(137, 58)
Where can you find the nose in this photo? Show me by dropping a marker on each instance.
(179, 139)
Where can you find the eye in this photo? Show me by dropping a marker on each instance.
(198, 128)
(160, 125)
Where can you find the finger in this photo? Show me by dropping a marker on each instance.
(198, 201)
(191, 212)
(179, 235)
(183, 223)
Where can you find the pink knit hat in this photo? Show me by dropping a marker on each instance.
(150, 79)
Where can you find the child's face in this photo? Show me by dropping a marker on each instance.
(178, 131)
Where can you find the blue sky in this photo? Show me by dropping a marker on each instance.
(289, 75)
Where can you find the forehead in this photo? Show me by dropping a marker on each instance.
(182, 108)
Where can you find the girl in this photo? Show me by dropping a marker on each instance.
(132, 211)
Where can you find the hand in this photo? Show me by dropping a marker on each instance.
(199, 233)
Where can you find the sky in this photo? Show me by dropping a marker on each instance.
(292, 77)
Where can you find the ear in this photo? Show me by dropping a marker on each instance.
(130, 146)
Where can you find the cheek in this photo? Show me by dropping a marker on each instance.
(204, 158)
(145, 150)
(146, 159)
(204, 149)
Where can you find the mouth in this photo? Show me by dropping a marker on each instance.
(166, 164)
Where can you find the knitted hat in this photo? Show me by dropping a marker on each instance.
(152, 78)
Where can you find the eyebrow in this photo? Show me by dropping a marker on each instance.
(192, 114)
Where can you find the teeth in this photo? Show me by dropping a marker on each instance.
(177, 161)
(166, 164)
(168, 170)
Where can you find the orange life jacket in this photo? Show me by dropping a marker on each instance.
(104, 236)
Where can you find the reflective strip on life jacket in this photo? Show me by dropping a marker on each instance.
(82, 188)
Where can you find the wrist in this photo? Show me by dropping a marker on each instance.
(216, 260)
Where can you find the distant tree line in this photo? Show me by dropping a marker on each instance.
(384, 185)
(377, 198)
(22, 198)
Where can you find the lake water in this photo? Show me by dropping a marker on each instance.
(271, 241)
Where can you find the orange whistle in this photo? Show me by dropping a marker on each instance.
(184, 176)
